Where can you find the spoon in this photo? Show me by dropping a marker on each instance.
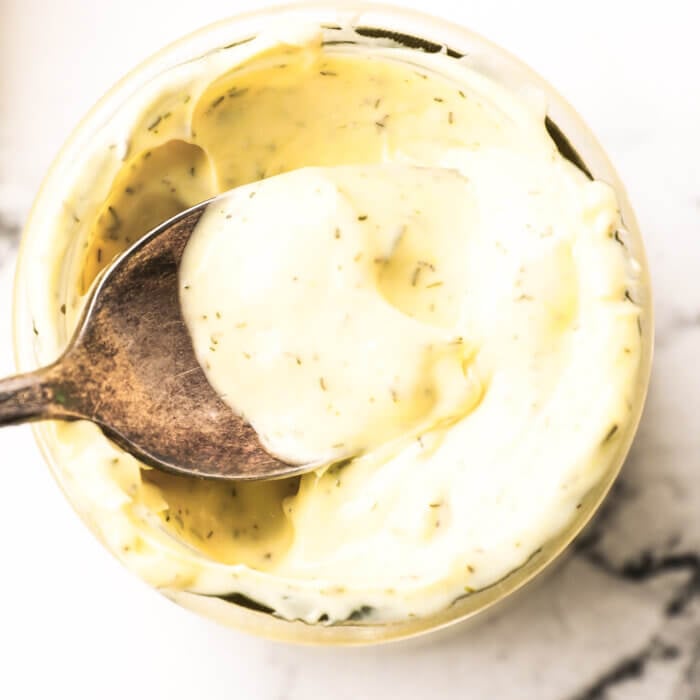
(131, 369)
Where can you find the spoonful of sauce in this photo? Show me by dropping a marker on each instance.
(131, 369)
(273, 329)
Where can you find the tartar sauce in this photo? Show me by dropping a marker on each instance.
(409, 284)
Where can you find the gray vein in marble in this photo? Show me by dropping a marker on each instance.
(677, 639)
(9, 235)
(632, 667)
(675, 322)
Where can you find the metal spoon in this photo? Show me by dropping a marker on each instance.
(131, 369)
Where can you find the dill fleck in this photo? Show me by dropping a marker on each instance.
(99, 255)
(328, 73)
(628, 296)
(209, 534)
(425, 263)
(415, 276)
(218, 314)
(147, 154)
(154, 123)
(438, 99)
(610, 433)
(129, 190)
(237, 92)
(450, 118)
(187, 99)
(435, 505)
(337, 233)
(247, 355)
(377, 102)
(432, 285)
(298, 359)
(187, 286)
(381, 123)
(461, 94)
(216, 102)
(362, 217)
(63, 309)
(192, 171)
(116, 222)
(322, 383)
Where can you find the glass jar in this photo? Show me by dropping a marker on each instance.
(45, 260)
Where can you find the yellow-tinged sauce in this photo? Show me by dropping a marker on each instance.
(446, 313)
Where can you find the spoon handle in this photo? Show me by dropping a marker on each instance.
(32, 396)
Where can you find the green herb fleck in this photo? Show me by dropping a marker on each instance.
(116, 222)
(610, 433)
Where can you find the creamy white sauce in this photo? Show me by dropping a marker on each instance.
(479, 354)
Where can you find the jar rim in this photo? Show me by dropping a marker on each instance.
(392, 20)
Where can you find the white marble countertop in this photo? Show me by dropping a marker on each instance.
(620, 619)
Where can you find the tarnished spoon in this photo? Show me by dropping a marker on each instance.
(131, 369)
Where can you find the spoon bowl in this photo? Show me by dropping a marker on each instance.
(131, 369)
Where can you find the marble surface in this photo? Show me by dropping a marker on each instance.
(618, 620)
